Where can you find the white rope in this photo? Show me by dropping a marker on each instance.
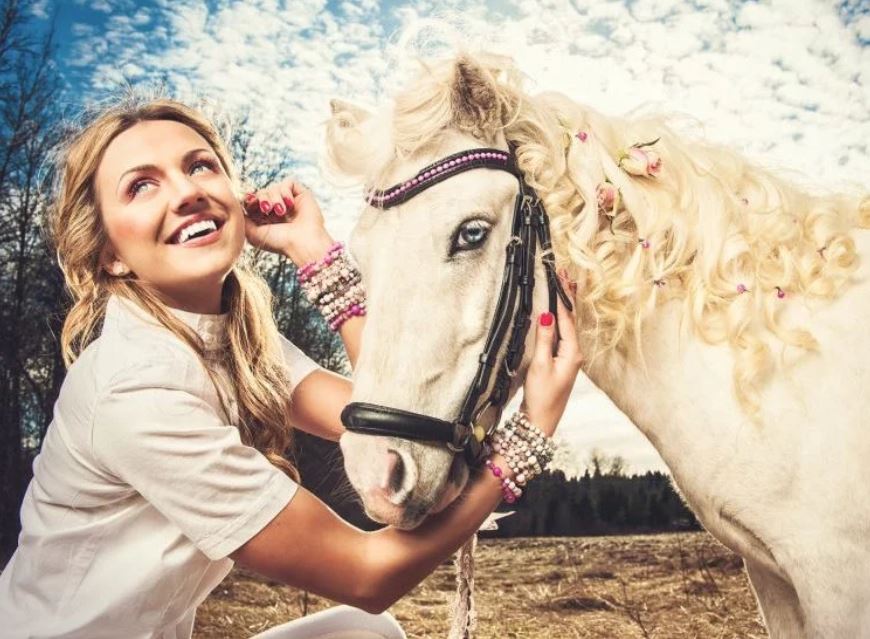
(464, 614)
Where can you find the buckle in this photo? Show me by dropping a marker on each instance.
(466, 432)
(529, 202)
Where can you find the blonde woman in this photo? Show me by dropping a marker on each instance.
(163, 464)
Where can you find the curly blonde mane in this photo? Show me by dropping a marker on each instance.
(734, 242)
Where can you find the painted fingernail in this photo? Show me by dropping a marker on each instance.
(250, 197)
(279, 209)
(546, 319)
(289, 202)
(265, 207)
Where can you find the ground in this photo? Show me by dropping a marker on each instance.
(670, 586)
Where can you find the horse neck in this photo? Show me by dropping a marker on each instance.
(678, 394)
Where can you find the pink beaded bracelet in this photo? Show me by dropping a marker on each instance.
(509, 490)
(333, 285)
(304, 274)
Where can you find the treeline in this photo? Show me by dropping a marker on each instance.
(597, 504)
(605, 500)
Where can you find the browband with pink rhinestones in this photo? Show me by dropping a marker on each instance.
(441, 170)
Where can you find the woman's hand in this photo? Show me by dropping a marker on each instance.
(285, 218)
(550, 379)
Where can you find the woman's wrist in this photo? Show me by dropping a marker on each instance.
(498, 460)
(333, 285)
(546, 419)
(310, 250)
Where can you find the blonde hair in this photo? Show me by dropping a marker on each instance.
(711, 220)
(251, 353)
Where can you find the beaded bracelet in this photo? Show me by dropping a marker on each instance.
(527, 451)
(509, 490)
(306, 272)
(334, 285)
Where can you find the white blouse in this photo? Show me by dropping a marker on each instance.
(141, 489)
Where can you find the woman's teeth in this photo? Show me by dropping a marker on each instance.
(196, 228)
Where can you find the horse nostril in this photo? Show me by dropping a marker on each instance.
(395, 475)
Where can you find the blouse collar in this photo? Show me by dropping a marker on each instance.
(211, 328)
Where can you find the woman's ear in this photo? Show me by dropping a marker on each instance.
(112, 264)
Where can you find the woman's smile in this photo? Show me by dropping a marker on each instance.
(200, 230)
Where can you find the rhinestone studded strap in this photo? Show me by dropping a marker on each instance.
(440, 171)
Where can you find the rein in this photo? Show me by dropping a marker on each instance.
(530, 228)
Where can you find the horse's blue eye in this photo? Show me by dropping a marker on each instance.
(470, 235)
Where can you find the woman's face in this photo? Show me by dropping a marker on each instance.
(170, 213)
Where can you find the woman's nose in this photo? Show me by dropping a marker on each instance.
(186, 193)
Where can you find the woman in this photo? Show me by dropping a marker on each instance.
(163, 464)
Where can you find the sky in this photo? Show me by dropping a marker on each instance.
(786, 81)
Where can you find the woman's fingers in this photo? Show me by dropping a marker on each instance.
(274, 201)
(285, 191)
(250, 203)
(545, 333)
(297, 188)
(568, 344)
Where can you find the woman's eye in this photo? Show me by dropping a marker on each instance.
(470, 235)
(138, 187)
(201, 164)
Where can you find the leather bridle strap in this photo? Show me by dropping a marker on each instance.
(530, 226)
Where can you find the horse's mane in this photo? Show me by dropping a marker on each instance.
(735, 242)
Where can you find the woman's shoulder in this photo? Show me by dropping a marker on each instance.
(114, 359)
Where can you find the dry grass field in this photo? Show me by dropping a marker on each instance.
(670, 586)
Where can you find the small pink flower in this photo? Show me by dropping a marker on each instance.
(634, 162)
(607, 195)
(640, 161)
(654, 163)
(582, 135)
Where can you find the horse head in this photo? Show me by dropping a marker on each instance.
(432, 268)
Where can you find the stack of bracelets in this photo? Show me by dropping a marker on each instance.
(334, 285)
(526, 450)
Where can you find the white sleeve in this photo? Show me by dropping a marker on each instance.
(154, 429)
(298, 363)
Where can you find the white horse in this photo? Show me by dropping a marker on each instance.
(722, 309)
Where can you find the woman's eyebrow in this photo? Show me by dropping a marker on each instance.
(151, 167)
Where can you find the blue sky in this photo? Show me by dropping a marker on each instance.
(785, 81)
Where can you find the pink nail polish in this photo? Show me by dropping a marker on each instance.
(279, 209)
(265, 207)
(546, 319)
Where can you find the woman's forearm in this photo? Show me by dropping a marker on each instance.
(351, 334)
(402, 559)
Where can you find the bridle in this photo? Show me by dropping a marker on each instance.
(530, 227)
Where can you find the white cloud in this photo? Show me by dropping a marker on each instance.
(785, 81)
(39, 9)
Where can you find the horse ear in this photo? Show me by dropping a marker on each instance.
(348, 111)
(477, 104)
(345, 138)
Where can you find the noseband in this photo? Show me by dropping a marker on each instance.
(530, 227)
